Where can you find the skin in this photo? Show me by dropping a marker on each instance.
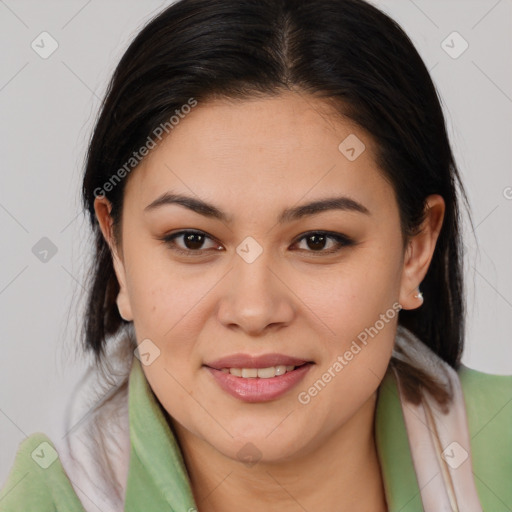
(253, 159)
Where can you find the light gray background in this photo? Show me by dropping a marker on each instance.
(48, 107)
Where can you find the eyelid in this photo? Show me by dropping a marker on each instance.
(340, 239)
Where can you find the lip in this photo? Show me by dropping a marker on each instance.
(248, 361)
(256, 389)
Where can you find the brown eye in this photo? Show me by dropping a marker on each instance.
(192, 241)
(318, 240)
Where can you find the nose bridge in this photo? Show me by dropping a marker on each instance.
(254, 296)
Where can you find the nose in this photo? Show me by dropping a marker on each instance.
(255, 297)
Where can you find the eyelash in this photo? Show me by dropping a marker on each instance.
(341, 240)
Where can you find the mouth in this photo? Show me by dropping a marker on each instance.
(260, 378)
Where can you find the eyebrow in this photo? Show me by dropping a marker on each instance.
(288, 215)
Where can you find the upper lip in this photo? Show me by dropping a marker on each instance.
(248, 361)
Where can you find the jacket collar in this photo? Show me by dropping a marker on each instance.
(398, 474)
(157, 477)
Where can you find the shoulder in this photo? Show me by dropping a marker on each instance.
(488, 397)
(488, 401)
(37, 480)
(470, 377)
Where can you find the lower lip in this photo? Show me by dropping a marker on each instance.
(256, 389)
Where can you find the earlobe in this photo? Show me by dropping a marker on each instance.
(419, 253)
(103, 208)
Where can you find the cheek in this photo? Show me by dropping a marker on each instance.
(163, 298)
(350, 296)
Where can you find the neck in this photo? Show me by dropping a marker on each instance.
(341, 473)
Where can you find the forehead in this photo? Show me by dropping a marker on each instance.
(276, 149)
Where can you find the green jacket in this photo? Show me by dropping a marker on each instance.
(157, 478)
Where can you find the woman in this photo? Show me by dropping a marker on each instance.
(270, 185)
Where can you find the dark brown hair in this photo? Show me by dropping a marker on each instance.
(345, 51)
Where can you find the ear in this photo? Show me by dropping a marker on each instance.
(103, 207)
(419, 253)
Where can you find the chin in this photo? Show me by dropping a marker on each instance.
(260, 446)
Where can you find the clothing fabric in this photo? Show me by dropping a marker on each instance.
(123, 455)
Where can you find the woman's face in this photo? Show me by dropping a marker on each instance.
(261, 278)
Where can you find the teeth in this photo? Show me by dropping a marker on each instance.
(262, 373)
(280, 370)
(267, 373)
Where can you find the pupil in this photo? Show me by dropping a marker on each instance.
(189, 241)
(318, 241)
